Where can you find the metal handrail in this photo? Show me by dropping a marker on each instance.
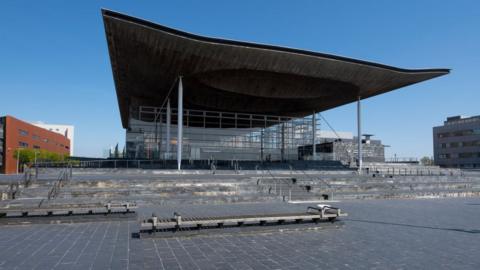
(65, 175)
(316, 178)
(275, 180)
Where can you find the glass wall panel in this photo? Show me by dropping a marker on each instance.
(210, 135)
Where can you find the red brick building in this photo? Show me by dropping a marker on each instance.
(16, 134)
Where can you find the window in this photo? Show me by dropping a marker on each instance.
(22, 144)
(454, 144)
(466, 155)
(36, 147)
(471, 143)
(35, 137)
(458, 133)
(444, 156)
(23, 132)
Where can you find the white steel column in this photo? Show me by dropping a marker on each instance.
(179, 123)
(261, 145)
(282, 151)
(314, 134)
(359, 136)
(169, 122)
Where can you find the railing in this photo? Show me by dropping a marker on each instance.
(275, 184)
(142, 164)
(232, 164)
(63, 178)
(13, 190)
(401, 160)
(30, 174)
(313, 179)
(410, 171)
(294, 186)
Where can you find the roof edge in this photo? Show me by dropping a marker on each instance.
(121, 16)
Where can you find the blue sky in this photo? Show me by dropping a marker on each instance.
(54, 64)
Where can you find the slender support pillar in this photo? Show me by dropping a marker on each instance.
(314, 135)
(282, 152)
(359, 136)
(179, 124)
(261, 145)
(169, 122)
(159, 143)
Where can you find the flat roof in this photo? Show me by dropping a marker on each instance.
(235, 76)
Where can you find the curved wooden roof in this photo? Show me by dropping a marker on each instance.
(233, 76)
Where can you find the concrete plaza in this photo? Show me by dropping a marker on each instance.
(378, 234)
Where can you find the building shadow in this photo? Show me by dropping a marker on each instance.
(473, 231)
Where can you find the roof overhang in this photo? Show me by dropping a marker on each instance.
(234, 76)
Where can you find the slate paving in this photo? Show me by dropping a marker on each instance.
(378, 234)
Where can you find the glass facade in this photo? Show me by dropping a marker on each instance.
(212, 135)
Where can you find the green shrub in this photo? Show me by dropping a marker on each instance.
(27, 156)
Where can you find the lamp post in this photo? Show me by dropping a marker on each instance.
(35, 159)
(18, 159)
(36, 167)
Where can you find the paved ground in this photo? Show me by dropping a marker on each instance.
(378, 234)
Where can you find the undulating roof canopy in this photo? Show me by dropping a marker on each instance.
(233, 76)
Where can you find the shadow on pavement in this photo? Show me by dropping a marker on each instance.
(414, 226)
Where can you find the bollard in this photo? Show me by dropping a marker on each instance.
(154, 221)
(178, 219)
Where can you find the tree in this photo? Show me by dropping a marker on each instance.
(115, 153)
(426, 161)
(27, 156)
